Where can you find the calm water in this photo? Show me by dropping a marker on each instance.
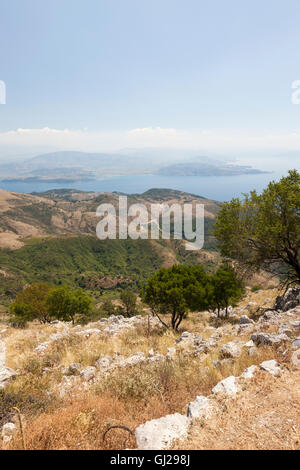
(220, 188)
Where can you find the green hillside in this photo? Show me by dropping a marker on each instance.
(70, 259)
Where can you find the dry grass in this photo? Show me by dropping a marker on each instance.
(264, 416)
(260, 297)
(128, 397)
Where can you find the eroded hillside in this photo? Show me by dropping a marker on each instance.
(51, 236)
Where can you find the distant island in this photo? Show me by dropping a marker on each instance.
(202, 169)
(68, 167)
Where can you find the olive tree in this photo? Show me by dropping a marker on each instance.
(263, 231)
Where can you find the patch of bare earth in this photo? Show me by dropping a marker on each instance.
(264, 416)
(10, 240)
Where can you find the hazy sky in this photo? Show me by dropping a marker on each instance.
(106, 74)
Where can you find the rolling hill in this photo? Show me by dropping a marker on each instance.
(51, 236)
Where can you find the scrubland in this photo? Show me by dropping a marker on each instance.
(129, 396)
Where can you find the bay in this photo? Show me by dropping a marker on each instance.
(221, 188)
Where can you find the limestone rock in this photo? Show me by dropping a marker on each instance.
(268, 339)
(245, 320)
(273, 367)
(296, 343)
(133, 360)
(88, 373)
(296, 358)
(229, 386)
(71, 369)
(199, 408)
(232, 349)
(158, 434)
(249, 372)
(6, 374)
(103, 363)
(289, 300)
(270, 316)
(285, 329)
(252, 352)
(8, 431)
(171, 353)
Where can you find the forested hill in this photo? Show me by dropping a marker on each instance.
(51, 236)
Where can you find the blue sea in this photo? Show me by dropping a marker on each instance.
(220, 188)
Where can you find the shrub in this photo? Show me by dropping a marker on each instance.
(108, 308)
(128, 299)
(256, 288)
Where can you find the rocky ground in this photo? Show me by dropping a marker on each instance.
(72, 383)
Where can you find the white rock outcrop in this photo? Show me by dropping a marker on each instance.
(88, 373)
(273, 367)
(231, 350)
(6, 374)
(8, 431)
(228, 386)
(269, 339)
(201, 407)
(158, 434)
(296, 358)
(249, 372)
(245, 320)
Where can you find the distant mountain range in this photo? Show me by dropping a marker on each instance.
(69, 166)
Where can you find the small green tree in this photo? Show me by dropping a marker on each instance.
(30, 304)
(176, 291)
(263, 231)
(228, 288)
(65, 303)
(128, 299)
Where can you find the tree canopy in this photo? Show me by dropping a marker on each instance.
(177, 290)
(30, 304)
(128, 299)
(228, 288)
(263, 231)
(65, 303)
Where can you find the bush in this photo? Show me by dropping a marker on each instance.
(128, 299)
(108, 308)
(256, 288)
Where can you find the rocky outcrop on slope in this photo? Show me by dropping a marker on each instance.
(289, 300)
(6, 374)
